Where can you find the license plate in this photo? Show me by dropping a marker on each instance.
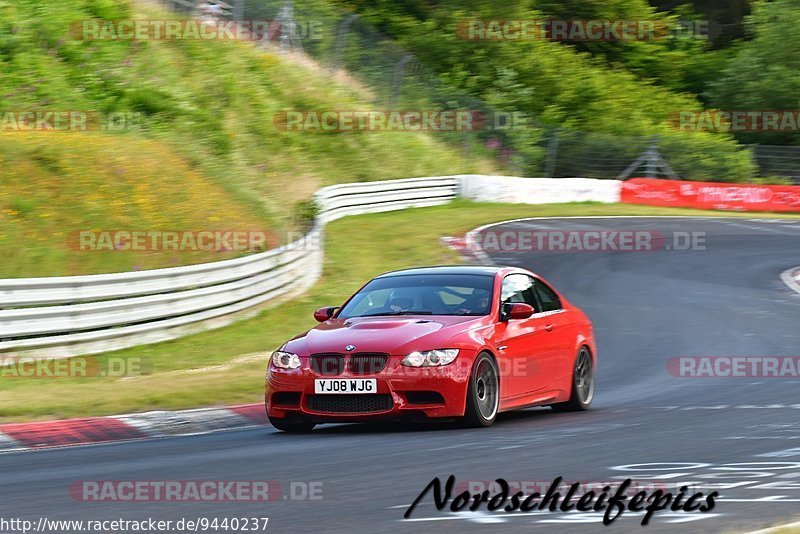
(345, 385)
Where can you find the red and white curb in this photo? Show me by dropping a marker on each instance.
(468, 246)
(84, 431)
(791, 277)
(465, 248)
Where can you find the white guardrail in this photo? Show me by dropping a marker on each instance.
(71, 315)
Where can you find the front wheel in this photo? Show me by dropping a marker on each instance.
(483, 393)
(582, 384)
(294, 426)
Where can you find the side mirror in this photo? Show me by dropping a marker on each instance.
(517, 310)
(323, 314)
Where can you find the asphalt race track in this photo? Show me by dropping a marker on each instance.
(742, 434)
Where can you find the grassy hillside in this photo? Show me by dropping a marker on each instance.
(57, 184)
(203, 153)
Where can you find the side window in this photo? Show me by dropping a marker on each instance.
(548, 297)
(518, 288)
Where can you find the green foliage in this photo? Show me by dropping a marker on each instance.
(773, 180)
(704, 156)
(304, 213)
(107, 9)
(23, 206)
(623, 89)
(665, 56)
(149, 101)
(47, 158)
(211, 102)
(764, 73)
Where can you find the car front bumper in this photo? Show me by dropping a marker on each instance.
(402, 393)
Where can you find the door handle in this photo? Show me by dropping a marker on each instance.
(549, 327)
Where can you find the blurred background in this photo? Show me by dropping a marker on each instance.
(185, 134)
(183, 182)
(203, 109)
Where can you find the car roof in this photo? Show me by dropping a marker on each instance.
(485, 270)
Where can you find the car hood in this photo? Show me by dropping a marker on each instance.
(394, 335)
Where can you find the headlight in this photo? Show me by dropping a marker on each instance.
(285, 360)
(430, 358)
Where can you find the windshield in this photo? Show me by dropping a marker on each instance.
(429, 294)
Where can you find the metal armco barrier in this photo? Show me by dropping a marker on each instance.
(71, 315)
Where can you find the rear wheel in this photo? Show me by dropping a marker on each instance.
(483, 393)
(295, 425)
(582, 384)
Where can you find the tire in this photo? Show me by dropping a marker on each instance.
(483, 393)
(293, 426)
(582, 384)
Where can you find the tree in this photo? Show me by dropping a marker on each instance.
(764, 73)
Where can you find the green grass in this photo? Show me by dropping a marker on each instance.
(94, 182)
(205, 125)
(380, 242)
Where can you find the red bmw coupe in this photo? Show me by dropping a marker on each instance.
(435, 342)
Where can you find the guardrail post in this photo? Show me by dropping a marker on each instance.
(397, 81)
(287, 39)
(552, 154)
(238, 9)
(341, 39)
(652, 158)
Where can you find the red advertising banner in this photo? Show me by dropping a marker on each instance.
(711, 195)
